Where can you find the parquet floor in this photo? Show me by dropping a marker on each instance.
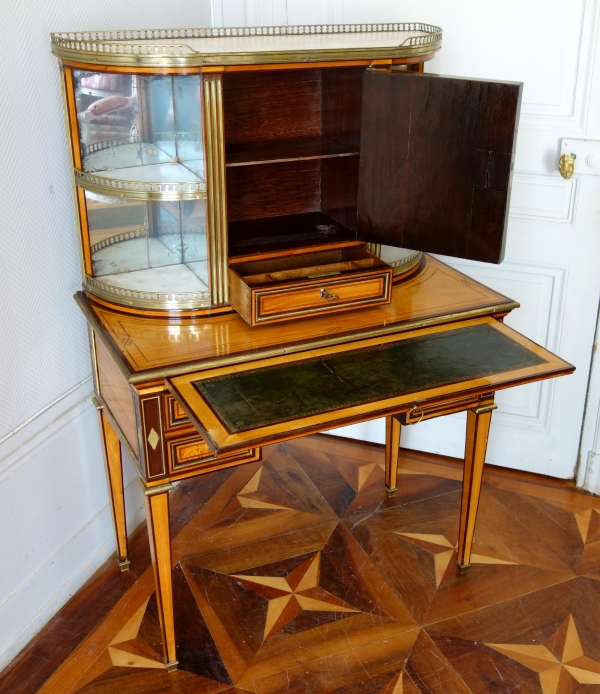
(298, 575)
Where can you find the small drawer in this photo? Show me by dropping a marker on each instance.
(190, 451)
(176, 420)
(423, 411)
(278, 289)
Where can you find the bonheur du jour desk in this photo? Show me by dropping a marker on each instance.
(192, 395)
(254, 206)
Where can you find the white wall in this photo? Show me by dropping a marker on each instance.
(56, 527)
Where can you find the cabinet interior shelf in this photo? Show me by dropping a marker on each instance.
(301, 149)
(291, 231)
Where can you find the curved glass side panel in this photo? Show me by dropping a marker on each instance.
(140, 127)
(148, 248)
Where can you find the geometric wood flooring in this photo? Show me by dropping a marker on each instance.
(298, 574)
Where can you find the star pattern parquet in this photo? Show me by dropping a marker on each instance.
(298, 574)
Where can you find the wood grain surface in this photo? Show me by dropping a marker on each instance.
(117, 393)
(270, 190)
(294, 395)
(153, 347)
(301, 575)
(436, 158)
(286, 234)
(271, 151)
(279, 105)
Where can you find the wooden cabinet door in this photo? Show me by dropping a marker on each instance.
(436, 158)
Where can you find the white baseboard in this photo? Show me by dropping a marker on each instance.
(53, 498)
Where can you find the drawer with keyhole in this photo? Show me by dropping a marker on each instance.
(279, 289)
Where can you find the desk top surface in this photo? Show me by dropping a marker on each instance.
(290, 395)
(287, 391)
(153, 348)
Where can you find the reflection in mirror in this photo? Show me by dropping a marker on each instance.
(133, 243)
(131, 121)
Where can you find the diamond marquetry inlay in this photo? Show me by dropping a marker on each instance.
(153, 438)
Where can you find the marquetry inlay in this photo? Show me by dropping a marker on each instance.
(443, 550)
(560, 661)
(290, 595)
(250, 497)
(153, 438)
(313, 532)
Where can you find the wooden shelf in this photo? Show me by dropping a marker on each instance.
(250, 153)
(291, 231)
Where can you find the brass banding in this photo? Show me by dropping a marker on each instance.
(117, 238)
(174, 301)
(140, 190)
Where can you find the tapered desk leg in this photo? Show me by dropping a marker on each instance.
(159, 534)
(114, 477)
(392, 451)
(478, 428)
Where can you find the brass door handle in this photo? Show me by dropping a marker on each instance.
(327, 296)
(566, 164)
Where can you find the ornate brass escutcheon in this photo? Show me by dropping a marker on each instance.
(566, 165)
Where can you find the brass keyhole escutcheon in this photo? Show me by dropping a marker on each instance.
(327, 296)
(566, 165)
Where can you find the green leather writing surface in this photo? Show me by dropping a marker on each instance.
(278, 394)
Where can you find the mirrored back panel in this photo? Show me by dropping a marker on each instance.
(131, 121)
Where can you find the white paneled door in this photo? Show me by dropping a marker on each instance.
(553, 247)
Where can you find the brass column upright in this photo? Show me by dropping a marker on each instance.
(215, 183)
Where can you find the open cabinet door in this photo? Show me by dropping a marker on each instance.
(436, 158)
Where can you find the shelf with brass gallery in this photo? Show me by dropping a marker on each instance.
(184, 48)
(188, 396)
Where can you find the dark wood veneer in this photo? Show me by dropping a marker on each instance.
(273, 189)
(302, 129)
(339, 189)
(154, 454)
(435, 162)
(247, 154)
(341, 104)
(279, 105)
(286, 231)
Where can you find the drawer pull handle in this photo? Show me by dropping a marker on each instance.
(415, 410)
(327, 296)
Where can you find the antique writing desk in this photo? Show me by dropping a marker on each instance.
(255, 208)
